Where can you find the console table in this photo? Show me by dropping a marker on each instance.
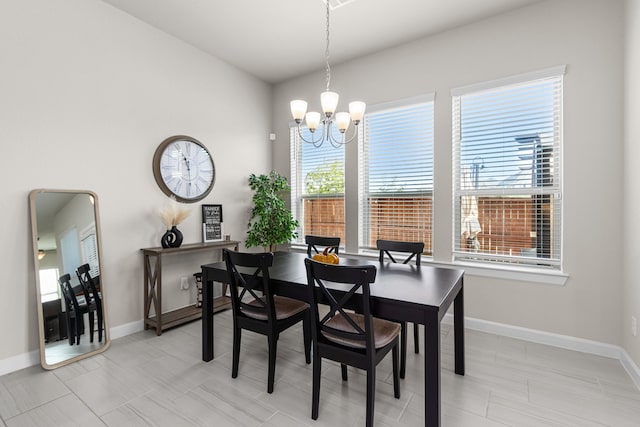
(153, 286)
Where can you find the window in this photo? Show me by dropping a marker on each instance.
(317, 187)
(396, 171)
(507, 170)
(49, 284)
(89, 244)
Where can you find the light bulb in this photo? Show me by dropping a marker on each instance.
(329, 101)
(298, 108)
(342, 121)
(313, 120)
(356, 110)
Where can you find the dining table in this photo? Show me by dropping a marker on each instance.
(402, 292)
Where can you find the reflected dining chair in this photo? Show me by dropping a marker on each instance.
(265, 314)
(413, 249)
(92, 296)
(313, 242)
(355, 339)
(76, 307)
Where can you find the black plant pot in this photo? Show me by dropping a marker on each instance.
(172, 238)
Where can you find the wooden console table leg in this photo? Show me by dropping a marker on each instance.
(153, 291)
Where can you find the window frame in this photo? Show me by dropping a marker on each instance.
(363, 172)
(520, 262)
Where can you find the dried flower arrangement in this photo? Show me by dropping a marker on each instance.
(172, 214)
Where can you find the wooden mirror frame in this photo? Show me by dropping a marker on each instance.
(36, 262)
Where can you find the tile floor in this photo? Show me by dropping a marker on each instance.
(145, 380)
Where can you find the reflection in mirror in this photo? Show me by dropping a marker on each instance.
(69, 285)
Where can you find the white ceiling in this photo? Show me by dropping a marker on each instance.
(280, 39)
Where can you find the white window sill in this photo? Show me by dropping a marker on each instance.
(524, 274)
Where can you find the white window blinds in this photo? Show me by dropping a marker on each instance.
(317, 187)
(507, 140)
(396, 172)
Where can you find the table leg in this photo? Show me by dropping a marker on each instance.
(207, 317)
(432, 370)
(458, 330)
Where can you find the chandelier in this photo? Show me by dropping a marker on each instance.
(331, 119)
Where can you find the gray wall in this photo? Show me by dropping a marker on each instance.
(88, 93)
(587, 36)
(631, 295)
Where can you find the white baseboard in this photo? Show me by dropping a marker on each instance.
(20, 361)
(32, 358)
(630, 367)
(126, 329)
(25, 360)
(554, 340)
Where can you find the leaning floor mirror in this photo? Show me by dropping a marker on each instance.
(70, 294)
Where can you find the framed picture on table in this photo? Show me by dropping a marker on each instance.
(212, 223)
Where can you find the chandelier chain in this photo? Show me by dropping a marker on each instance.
(326, 52)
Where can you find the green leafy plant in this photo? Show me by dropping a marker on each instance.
(271, 223)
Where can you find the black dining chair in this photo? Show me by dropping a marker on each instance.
(76, 307)
(266, 314)
(92, 296)
(313, 242)
(413, 249)
(354, 339)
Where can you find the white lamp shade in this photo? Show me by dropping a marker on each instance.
(298, 108)
(329, 101)
(356, 110)
(313, 120)
(342, 121)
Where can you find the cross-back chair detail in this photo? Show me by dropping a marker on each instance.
(92, 296)
(414, 251)
(256, 308)
(355, 339)
(313, 242)
(75, 309)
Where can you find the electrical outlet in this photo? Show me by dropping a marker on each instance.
(634, 326)
(184, 283)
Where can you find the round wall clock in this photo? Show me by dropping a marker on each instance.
(184, 169)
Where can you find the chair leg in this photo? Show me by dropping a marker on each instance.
(317, 368)
(403, 349)
(71, 330)
(237, 334)
(91, 324)
(100, 321)
(343, 368)
(396, 379)
(416, 339)
(306, 333)
(371, 394)
(273, 346)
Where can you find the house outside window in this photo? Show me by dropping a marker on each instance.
(507, 139)
(396, 173)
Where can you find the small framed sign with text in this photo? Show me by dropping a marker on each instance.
(212, 224)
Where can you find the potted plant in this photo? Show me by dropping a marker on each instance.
(271, 223)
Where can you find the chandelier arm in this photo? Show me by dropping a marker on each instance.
(316, 143)
(337, 143)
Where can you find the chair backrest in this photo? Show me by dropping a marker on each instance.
(355, 297)
(314, 241)
(68, 293)
(248, 274)
(89, 287)
(414, 249)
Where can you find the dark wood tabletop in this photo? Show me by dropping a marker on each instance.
(418, 294)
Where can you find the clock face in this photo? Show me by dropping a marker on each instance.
(183, 168)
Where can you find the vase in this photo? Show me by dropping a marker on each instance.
(172, 238)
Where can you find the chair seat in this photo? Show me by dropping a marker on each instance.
(284, 308)
(384, 331)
